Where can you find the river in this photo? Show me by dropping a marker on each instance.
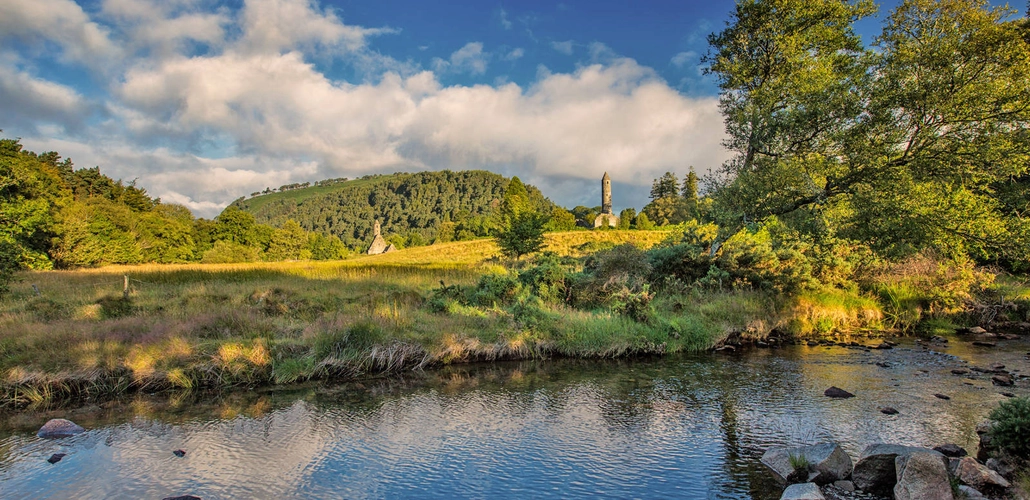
(691, 426)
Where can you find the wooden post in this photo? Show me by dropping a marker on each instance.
(125, 287)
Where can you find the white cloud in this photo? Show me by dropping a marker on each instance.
(32, 102)
(256, 96)
(469, 59)
(681, 59)
(515, 54)
(60, 21)
(273, 25)
(505, 22)
(563, 47)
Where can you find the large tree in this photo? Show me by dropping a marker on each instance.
(905, 147)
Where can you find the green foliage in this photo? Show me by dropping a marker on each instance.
(919, 143)
(666, 186)
(493, 289)
(548, 277)
(405, 204)
(10, 262)
(288, 243)
(1011, 430)
(324, 247)
(521, 230)
(643, 223)
(561, 220)
(620, 271)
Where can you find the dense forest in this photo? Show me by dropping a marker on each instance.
(414, 209)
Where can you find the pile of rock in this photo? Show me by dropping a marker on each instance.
(884, 470)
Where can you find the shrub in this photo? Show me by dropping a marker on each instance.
(115, 306)
(493, 288)
(610, 272)
(1011, 430)
(548, 278)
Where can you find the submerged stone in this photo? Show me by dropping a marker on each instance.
(887, 410)
(58, 428)
(837, 392)
(56, 457)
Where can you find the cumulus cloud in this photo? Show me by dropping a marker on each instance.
(60, 21)
(28, 101)
(254, 110)
(503, 17)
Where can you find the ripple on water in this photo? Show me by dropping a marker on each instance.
(690, 426)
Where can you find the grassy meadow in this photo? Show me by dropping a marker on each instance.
(216, 325)
(199, 325)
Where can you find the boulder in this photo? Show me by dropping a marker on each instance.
(980, 343)
(827, 462)
(837, 392)
(942, 396)
(875, 470)
(58, 428)
(1003, 465)
(844, 485)
(951, 450)
(960, 371)
(887, 410)
(976, 330)
(1003, 379)
(970, 493)
(56, 457)
(802, 491)
(973, 473)
(922, 475)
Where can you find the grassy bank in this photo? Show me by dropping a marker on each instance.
(192, 326)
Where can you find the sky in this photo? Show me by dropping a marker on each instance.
(201, 102)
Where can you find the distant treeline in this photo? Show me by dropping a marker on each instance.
(52, 215)
(414, 209)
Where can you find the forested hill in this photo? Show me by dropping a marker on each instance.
(413, 208)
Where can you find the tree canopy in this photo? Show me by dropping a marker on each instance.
(918, 142)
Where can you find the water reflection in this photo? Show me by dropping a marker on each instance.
(691, 426)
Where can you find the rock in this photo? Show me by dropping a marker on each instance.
(976, 330)
(971, 472)
(182, 497)
(844, 485)
(970, 493)
(56, 457)
(883, 364)
(761, 344)
(997, 367)
(1003, 379)
(881, 345)
(727, 348)
(960, 371)
(942, 396)
(179, 453)
(827, 461)
(922, 475)
(802, 491)
(1008, 394)
(951, 450)
(887, 410)
(837, 392)
(58, 428)
(937, 339)
(875, 470)
(984, 344)
(1002, 465)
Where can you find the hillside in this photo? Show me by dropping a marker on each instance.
(411, 207)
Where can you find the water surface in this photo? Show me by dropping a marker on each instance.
(680, 426)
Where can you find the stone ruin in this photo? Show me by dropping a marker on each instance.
(379, 244)
(606, 216)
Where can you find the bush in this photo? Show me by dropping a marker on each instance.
(1011, 431)
(548, 278)
(624, 268)
(227, 252)
(494, 288)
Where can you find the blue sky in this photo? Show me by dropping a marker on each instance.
(204, 101)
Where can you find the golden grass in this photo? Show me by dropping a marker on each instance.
(191, 325)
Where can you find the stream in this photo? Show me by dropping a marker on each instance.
(689, 426)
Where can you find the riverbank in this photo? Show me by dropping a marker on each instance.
(85, 335)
